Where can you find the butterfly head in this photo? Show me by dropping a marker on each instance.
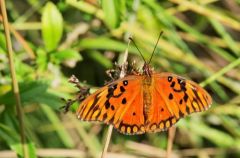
(147, 70)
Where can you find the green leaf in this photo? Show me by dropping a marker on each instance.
(67, 54)
(52, 26)
(41, 60)
(97, 56)
(112, 12)
(218, 137)
(13, 140)
(104, 43)
(225, 36)
(32, 92)
(58, 125)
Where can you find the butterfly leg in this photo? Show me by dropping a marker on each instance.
(132, 70)
(67, 105)
(114, 74)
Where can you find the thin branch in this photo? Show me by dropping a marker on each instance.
(21, 40)
(14, 78)
(110, 128)
(171, 135)
(107, 141)
(80, 29)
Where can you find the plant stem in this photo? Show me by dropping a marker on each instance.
(110, 128)
(171, 134)
(13, 75)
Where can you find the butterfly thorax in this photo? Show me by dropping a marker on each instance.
(147, 70)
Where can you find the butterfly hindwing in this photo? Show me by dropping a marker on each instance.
(118, 103)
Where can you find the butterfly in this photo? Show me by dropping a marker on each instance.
(144, 102)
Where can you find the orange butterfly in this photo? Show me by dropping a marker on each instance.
(146, 102)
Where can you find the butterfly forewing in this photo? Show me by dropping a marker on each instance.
(118, 103)
(173, 98)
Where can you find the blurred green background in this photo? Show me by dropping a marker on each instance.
(54, 39)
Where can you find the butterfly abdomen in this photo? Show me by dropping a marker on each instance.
(147, 96)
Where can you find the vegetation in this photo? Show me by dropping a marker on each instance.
(54, 39)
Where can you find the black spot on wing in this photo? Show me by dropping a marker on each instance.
(181, 114)
(125, 82)
(107, 104)
(172, 84)
(170, 96)
(112, 108)
(179, 80)
(124, 101)
(180, 102)
(182, 84)
(170, 78)
(187, 109)
(112, 88)
(122, 89)
(185, 97)
(104, 116)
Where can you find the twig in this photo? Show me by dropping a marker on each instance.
(110, 128)
(80, 29)
(14, 78)
(21, 40)
(171, 134)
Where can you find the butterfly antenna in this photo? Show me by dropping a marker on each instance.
(137, 49)
(160, 35)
